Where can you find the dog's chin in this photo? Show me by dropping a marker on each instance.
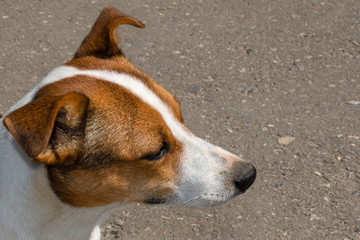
(204, 200)
(205, 203)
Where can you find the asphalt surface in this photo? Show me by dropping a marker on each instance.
(277, 82)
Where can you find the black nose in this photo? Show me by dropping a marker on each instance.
(245, 178)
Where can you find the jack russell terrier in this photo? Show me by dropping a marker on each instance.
(98, 133)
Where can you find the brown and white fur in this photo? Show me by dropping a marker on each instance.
(98, 133)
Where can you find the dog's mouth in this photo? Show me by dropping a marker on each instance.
(155, 201)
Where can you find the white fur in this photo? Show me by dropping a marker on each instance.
(29, 210)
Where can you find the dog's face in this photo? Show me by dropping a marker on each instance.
(107, 132)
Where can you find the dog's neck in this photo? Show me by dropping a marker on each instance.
(30, 210)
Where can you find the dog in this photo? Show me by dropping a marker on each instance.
(97, 133)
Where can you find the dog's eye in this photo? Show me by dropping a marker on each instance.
(159, 154)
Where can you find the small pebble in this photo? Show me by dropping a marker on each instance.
(248, 51)
(327, 185)
(286, 140)
(314, 217)
(193, 90)
(328, 160)
(353, 102)
(314, 145)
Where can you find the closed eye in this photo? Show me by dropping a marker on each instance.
(159, 154)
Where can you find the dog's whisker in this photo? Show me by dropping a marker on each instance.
(192, 199)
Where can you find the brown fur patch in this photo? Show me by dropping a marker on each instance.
(124, 180)
(120, 130)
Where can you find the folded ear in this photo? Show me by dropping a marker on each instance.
(102, 42)
(50, 129)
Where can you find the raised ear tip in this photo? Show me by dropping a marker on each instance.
(101, 41)
(111, 12)
(132, 21)
(140, 24)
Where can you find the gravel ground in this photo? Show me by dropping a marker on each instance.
(277, 82)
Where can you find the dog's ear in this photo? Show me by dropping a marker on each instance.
(50, 130)
(102, 42)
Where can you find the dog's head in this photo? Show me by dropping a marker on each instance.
(107, 132)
